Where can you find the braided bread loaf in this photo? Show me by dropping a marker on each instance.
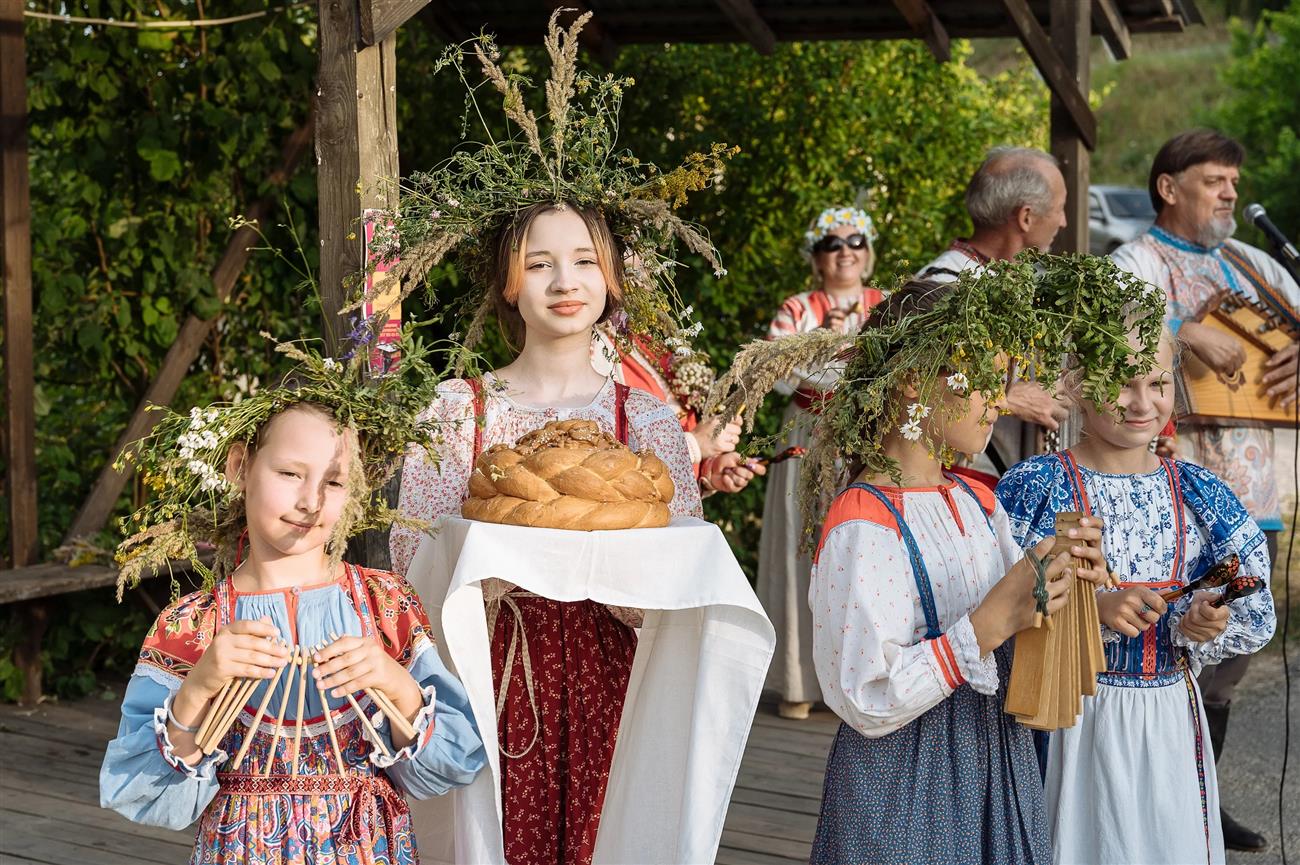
(569, 475)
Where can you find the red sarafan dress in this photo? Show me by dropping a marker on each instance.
(560, 669)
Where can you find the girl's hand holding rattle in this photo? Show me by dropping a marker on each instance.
(1086, 546)
(1204, 619)
(1130, 611)
(351, 664)
(245, 649)
(1009, 607)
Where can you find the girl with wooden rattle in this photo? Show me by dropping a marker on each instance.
(290, 703)
(918, 584)
(1166, 524)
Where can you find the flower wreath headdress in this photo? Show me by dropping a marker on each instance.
(569, 155)
(182, 462)
(832, 218)
(1045, 312)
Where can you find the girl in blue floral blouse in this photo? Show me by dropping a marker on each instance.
(1134, 780)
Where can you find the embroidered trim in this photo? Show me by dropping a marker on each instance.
(1194, 706)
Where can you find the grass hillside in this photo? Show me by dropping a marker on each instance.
(1168, 85)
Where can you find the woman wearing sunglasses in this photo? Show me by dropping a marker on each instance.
(838, 246)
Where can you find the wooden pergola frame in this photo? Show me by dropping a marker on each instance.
(354, 127)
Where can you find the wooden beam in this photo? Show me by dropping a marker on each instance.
(16, 278)
(1053, 68)
(594, 37)
(1071, 35)
(381, 18)
(356, 157)
(746, 19)
(1108, 21)
(20, 385)
(108, 486)
(1157, 24)
(927, 26)
(50, 579)
(356, 149)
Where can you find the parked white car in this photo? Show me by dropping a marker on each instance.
(1116, 215)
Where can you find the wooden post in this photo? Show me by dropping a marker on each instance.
(16, 275)
(185, 348)
(356, 148)
(1071, 25)
(356, 156)
(16, 259)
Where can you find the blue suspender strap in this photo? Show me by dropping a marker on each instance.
(919, 573)
(988, 521)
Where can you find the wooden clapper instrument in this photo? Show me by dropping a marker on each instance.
(1056, 662)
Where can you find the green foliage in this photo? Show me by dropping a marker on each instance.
(183, 461)
(818, 124)
(1263, 112)
(90, 638)
(144, 144)
(141, 148)
(929, 346)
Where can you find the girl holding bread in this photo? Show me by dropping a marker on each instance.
(560, 242)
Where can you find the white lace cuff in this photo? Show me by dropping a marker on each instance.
(693, 447)
(206, 770)
(423, 724)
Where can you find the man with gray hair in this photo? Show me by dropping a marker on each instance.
(1016, 200)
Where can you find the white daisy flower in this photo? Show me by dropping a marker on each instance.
(959, 382)
(918, 411)
(911, 430)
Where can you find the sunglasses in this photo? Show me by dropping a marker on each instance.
(834, 243)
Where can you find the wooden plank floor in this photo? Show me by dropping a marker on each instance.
(49, 792)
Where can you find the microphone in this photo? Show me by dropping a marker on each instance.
(1286, 249)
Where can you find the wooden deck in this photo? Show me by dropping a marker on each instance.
(49, 792)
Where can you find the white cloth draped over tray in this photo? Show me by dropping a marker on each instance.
(703, 652)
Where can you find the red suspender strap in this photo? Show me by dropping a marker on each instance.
(1180, 524)
(620, 412)
(1075, 480)
(476, 388)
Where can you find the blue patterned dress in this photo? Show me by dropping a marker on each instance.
(1134, 780)
(260, 812)
(926, 766)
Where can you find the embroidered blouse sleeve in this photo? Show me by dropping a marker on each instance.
(141, 777)
(1251, 620)
(874, 672)
(448, 751)
(655, 426)
(429, 487)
